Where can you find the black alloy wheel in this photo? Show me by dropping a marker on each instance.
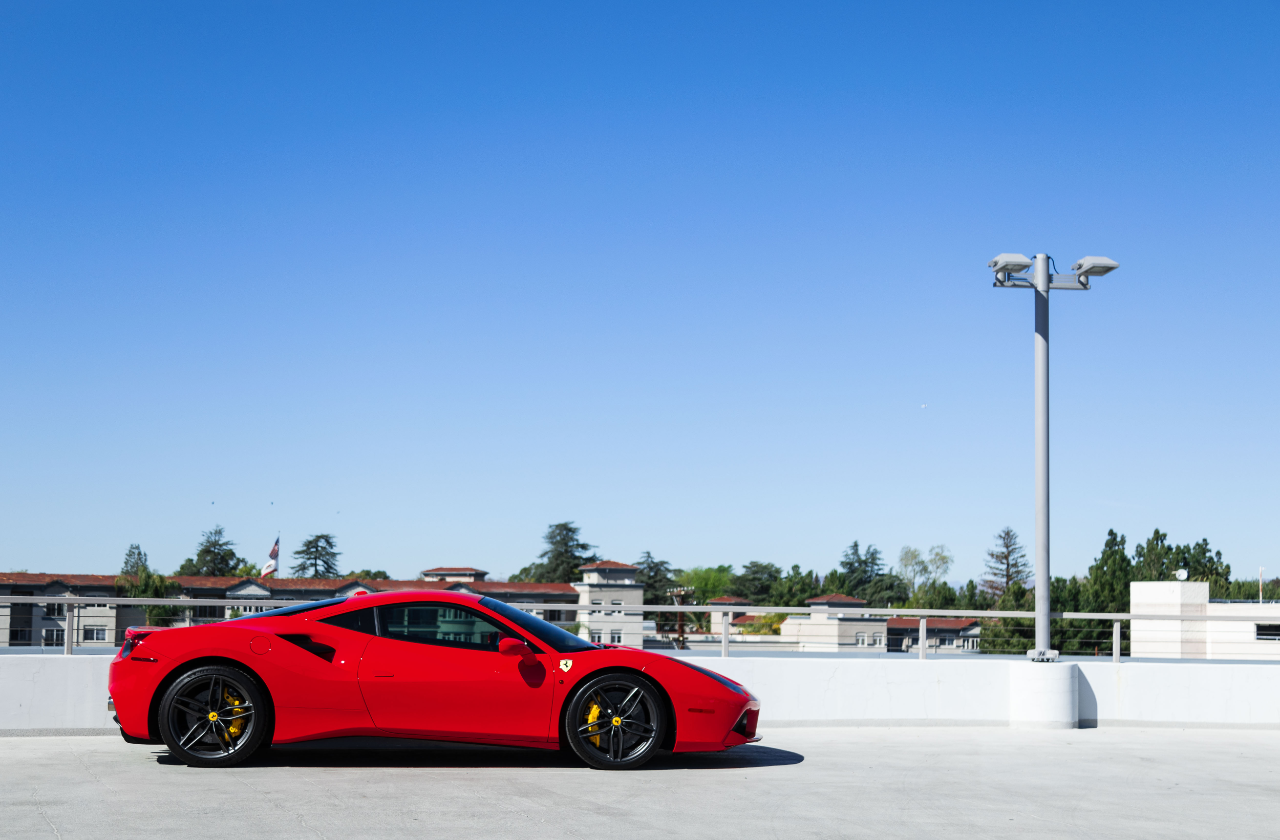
(213, 716)
(616, 722)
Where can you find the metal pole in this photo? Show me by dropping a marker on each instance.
(924, 637)
(724, 635)
(1042, 451)
(69, 635)
(1115, 642)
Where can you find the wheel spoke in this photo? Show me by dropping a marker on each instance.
(188, 705)
(629, 705)
(588, 727)
(224, 742)
(635, 727)
(237, 712)
(208, 724)
(615, 744)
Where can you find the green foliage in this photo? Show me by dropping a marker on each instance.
(565, 552)
(911, 566)
(247, 569)
(766, 625)
(368, 574)
(794, 588)
(148, 584)
(755, 583)
(707, 582)
(656, 575)
(215, 556)
(234, 612)
(1010, 635)
(924, 569)
(1247, 590)
(317, 557)
(135, 560)
(862, 575)
(1006, 564)
(973, 597)
(934, 595)
(1157, 560)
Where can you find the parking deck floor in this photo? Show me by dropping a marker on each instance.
(797, 783)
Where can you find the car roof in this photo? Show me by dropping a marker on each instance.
(374, 599)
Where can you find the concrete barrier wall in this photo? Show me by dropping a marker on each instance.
(54, 692)
(51, 692)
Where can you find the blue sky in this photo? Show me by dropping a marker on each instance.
(708, 280)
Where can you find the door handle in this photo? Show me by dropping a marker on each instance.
(384, 675)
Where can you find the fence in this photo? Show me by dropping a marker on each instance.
(831, 628)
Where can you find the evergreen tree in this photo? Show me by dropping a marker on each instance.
(317, 558)
(862, 575)
(1010, 635)
(565, 552)
(934, 595)
(756, 582)
(215, 555)
(794, 588)
(1109, 577)
(135, 560)
(973, 597)
(861, 570)
(656, 575)
(1006, 564)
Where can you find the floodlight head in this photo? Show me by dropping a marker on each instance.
(1094, 266)
(1180, 574)
(1009, 263)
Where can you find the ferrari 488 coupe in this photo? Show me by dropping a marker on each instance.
(436, 665)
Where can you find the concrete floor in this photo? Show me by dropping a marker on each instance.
(831, 782)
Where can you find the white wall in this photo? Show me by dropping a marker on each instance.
(54, 692)
(70, 692)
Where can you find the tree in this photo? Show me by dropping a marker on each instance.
(1109, 577)
(135, 560)
(147, 584)
(655, 574)
(934, 595)
(861, 570)
(317, 557)
(565, 552)
(707, 582)
(247, 569)
(862, 576)
(938, 562)
(794, 588)
(215, 556)
(367, 574)
(1006, 564)
(755, 582)
(911, 566)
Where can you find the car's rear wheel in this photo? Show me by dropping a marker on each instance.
(616, 721)
(214, 716)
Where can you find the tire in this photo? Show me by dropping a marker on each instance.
(214, 716)
(616, 721)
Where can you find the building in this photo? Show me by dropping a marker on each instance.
(829, 629)
(453, 573)
(943, 635)
(1199, 639)
(610, 584)
(737, 620)
(45, 625)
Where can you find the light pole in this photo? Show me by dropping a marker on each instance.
(1007, 268)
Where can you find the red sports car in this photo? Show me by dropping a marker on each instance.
(437, 665)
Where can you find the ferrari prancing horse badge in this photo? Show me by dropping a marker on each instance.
(566, 664)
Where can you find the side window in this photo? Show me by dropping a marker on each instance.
(439, 624)
(360, 621)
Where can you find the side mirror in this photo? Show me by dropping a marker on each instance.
(509, 646)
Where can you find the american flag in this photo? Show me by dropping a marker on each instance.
(270, 568)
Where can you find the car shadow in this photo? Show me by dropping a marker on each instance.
(387, 752)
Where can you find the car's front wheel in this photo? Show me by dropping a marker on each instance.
(214, 716)
(616, 721)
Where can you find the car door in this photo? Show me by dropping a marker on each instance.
(434, 670)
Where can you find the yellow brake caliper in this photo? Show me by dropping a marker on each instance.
(593, 715)
(237, 724)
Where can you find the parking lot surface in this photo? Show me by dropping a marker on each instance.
(797, 783)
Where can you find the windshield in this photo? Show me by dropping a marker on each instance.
(305, 606)
(559, 640)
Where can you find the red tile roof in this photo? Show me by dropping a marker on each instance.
(746, 619)
(403, 585)
(731, 600)
(453, 570)
(608, 564)
(18, 578)
(485, 587)
(834, 598)
(933, 624)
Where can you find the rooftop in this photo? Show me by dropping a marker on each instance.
(608, 564)
(834, 598)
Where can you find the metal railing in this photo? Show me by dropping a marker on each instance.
(73, 603)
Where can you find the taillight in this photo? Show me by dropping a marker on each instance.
(133, 637)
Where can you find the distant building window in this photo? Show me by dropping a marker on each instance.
(209, 612)
(55, 610)
(595, 637)
(860, 639)
(615, 637)
(949, 641)
(553, 615)
(95, 634)
(54, 636)
(877, 639)
(1268, 632)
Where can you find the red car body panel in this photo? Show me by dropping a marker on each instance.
(326, 681)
